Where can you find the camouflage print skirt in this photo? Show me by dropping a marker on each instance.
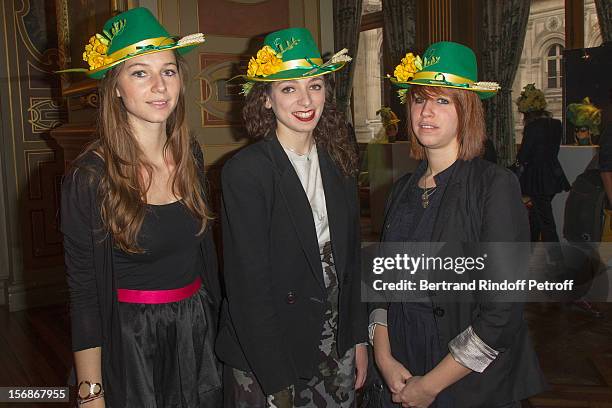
(333, 383)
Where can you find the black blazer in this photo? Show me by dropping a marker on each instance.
(272, 320)
(482, 203)
(542, 173)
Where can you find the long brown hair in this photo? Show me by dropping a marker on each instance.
(331, 133)
(471, 133)
(122, 190)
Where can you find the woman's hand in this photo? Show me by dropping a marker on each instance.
(415, 394)
(361, 365)
(393, 372)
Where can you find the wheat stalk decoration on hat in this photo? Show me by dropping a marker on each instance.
(444, 64)
(127, 35)
(290, 54)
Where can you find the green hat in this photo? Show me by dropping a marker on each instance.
(130, 34)
(445, 64)
(531, 100)
(290, 54)
(585, 114)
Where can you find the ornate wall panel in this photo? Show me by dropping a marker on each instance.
(245, 18)
(221, 99)
(32, 164)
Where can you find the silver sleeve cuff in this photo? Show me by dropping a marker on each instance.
(378, 316)
(470, 351)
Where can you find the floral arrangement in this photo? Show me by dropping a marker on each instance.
(95, 52)
(531, 99)
(268, 60)
(388, 117)
(409, 66)
(585, 114)
(97, 47)
(266, 63)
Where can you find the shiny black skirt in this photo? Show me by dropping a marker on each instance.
(168, 354)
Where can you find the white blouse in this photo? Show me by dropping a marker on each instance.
(307, 168)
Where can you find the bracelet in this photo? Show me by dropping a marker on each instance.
(89, 399)
(94, 391)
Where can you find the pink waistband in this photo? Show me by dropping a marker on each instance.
(158, 296)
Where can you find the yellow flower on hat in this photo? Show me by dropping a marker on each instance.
(266, 63)
(409, 65)
(95, 53)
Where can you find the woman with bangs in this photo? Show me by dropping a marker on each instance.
(293, 330)
(140, 260)
(434, 352)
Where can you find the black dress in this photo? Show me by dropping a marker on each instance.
(152, 354)
(168, 360)
(413, 332)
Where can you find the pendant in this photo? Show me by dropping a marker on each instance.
(425, 200)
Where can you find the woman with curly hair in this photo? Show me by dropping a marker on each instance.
(139, 255)
(293, 322)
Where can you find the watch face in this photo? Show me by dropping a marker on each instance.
(87, 389)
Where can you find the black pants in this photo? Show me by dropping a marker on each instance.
(541, 219)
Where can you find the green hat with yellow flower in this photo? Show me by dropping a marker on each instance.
(130, 34)
(585, 115)
(531, 99)
(290, 54)
(444, 64)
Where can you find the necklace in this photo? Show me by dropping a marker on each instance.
(427, 192)
(307, 154)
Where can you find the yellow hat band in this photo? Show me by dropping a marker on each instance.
(135, 48)
(442, 77)
(300, 63)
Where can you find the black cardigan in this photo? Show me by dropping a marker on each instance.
(272, 321)
(482, 203)
(91, 279)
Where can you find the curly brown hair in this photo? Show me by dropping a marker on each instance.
(122, 190)
(331, 133)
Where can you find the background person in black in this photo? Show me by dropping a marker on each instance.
(140, 260)
(605, 149)
(542, 175)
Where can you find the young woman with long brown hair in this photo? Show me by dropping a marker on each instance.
(433, 351)
(139, 254)
(292, 328)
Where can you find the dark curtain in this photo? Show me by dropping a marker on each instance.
(347, 19)
(400, 37)
(504, 24)
(604, 15)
